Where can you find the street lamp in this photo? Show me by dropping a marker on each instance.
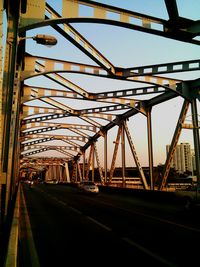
(42, 39)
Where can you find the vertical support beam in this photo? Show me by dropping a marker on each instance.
(115, 154)
(1, 77)
(12, 172)
(2, 180)
(143, 178)
(67, 172)
(6, 179)
(89, 164)
(54, 172)
(49, 173)
(76, 177)
(150, 148)
(196, 137)
(105, 157)
(98, 164)
(174, 143)
(93, 162)
(79, 171)
(16, 159)
(123, 155)
(57, 173)
(74, 171)
(46, 175)
(60, 173)
(83, 165)
(172, 10)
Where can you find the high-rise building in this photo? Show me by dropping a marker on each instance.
(182, 158)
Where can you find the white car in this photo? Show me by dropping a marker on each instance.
(53, 181)
(88, 187)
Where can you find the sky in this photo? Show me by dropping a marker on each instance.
(127, 48)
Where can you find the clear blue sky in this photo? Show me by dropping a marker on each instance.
(129, 48)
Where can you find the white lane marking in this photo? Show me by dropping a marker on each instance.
(75, 210)
(98, 223)
(148, 252)
(144, 215)
(61, 202)
(187, 227)
(54, 198)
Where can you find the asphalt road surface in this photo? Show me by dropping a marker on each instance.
(70, 229)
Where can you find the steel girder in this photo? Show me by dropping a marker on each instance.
(122, 100)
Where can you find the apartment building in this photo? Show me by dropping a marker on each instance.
(182, 159)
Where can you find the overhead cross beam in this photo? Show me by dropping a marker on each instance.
(185, 30)
(114, 106)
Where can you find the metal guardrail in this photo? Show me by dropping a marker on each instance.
(12, 251)
(21, 239)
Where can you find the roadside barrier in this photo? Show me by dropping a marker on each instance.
(12, 251)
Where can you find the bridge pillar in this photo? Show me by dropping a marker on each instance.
(150, 148)
(105, 157)
(10, 110)
(92, 162)
(67, 172)
(123, 154)
(83, 165)
(196, 137)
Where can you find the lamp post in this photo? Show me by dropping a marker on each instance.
(42, 39)
(11, 86)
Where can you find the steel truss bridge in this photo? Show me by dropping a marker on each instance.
(32, 116)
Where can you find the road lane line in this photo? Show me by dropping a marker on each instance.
(75, 210)
(98, 223)
(148, 252)
(187, 227)
(62, 202)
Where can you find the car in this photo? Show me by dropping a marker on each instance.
(189, 197)
(30, 184)
(88, 187)
(52, 181)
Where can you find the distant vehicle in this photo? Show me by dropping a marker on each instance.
(189, 197)
(53, 181)
(30, 184)
(88, 187)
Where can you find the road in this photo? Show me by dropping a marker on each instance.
(69, 228)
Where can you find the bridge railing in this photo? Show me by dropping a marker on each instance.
(21, 249)
(12, 250)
